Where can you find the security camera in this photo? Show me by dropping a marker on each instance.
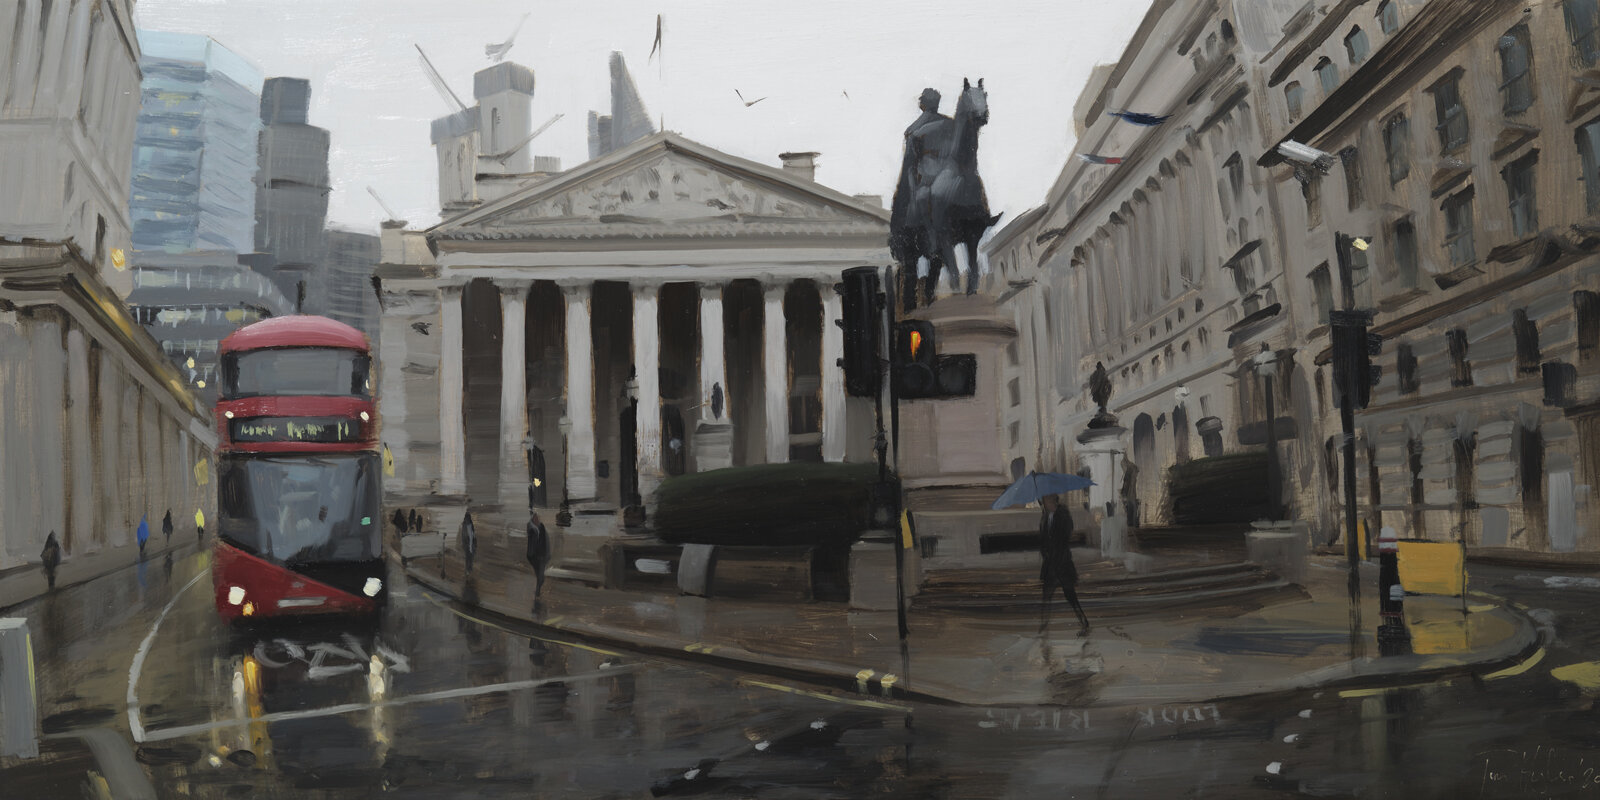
(1306, 154)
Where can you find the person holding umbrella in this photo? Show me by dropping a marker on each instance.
(1056, 567)
(1055, 535)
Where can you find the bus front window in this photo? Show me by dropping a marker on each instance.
(296, 371)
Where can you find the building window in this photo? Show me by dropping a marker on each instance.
(1519, 187)
(1516, 70)
(1359, 272)
(1460, 367)
(1397, 147)
(1294, 95)
(1311, 187)
(1414, 467)
(1350, 157)
(1586, 307)
(1388, 17)
(1322, 287)
(1405, 369)
(1583, 26)
(1589, 153)
(1526, 332)
(1466, 451)
(1014, 389)
(1327, 75)
(1458, 228)
(1451, 115)
(1356, 46)
(1405, 253)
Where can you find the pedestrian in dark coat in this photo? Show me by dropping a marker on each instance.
(538, 552)
(1057, 568)
(399, 521)
(166, 527)
(469, 539)
(51, 556)
(416, 521)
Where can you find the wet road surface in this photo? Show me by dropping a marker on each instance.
(429, 701)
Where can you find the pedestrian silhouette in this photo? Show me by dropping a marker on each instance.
(1057, 568)
(143, 534)
(416, 521)
(399, 521)
(538, 554)
(469, 539)
(51, 556)
(166, 526)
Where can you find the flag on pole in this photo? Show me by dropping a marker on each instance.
(1137, 118)
(656, 45)
(1091, 158)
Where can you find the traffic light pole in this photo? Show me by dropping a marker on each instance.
(883, 469)
(1348, 362)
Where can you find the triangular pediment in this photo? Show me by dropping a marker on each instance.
(667, 186)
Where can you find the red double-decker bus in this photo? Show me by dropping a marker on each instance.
(299, 483)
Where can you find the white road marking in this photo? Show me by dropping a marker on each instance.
(181, 731)
(144, 651)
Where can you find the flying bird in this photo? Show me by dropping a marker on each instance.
(496, 52)
(747, 103)
(846, 94)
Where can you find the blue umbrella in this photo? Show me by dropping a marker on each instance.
(1029, 488)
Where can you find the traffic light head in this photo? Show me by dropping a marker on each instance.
(862, 307)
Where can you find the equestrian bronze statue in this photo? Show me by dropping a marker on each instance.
(939, 202)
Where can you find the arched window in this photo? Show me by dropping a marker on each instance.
(1327, 75)
(1356, 45)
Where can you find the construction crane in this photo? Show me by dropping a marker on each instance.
(497, 52)
(503, 157)
(386, 208)
(438, 81)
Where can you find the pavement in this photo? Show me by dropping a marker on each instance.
(1176, 652)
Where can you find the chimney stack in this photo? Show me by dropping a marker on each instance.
(803, 165)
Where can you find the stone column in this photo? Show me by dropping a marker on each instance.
(713, 434)
(513, 392)
(647, 377)
(833, 406)
(452, 433)
(775, 363)
(580, 480)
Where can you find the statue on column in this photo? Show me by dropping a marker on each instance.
(1100, 391)
(939, 201)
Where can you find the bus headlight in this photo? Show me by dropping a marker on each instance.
(373, 587)
(235, 595)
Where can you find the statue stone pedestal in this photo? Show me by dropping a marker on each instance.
(1100, 446)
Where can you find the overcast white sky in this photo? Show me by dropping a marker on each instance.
(370, 91)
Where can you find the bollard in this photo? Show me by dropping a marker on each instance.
(1393, 638)
(19, 714)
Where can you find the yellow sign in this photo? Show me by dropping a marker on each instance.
(1433, 568)
(119, 259)
(199, 518)
(202, 472)
(905, 529)
(388, 462)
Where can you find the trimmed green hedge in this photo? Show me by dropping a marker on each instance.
(807, 504)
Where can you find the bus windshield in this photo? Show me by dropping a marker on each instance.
(296, 371)
(302, 509)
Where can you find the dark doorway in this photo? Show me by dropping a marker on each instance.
(675, 447)
(628, 476)
(538, 483)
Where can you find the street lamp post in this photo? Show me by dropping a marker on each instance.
(564, 516)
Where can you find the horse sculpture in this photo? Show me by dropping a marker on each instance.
(939, 202)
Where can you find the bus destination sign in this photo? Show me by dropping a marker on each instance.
(320, 430)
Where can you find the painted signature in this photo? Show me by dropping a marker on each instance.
(1541, 771)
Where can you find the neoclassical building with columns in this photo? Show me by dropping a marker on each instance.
(666, 308)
